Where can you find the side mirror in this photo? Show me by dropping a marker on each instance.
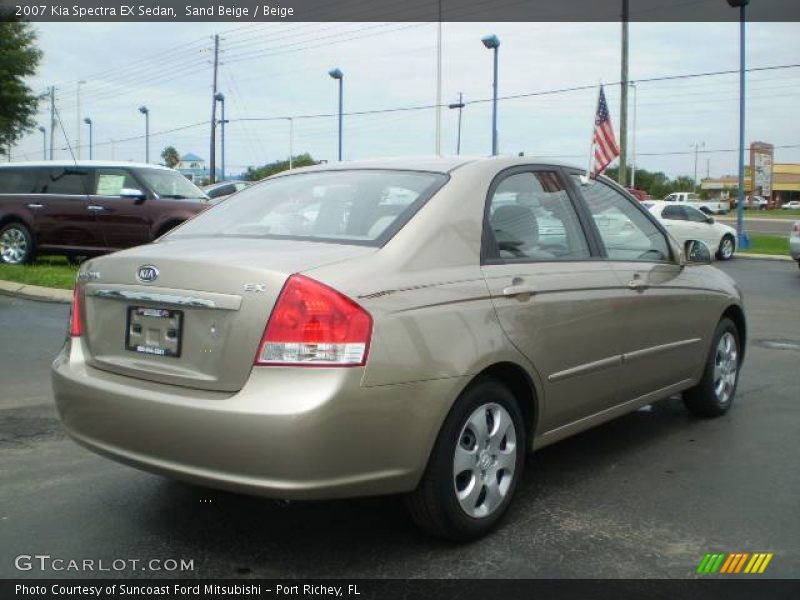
(696, 253)
(710, 220)
(132, 193)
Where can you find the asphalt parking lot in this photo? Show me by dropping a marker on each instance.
(755, 224)
(644, 496)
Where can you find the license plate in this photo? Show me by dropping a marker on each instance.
(154, 331)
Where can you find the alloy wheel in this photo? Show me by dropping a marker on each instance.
(726, 367)
(13, 246)
(726, 251)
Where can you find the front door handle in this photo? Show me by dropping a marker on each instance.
(637, 284)
(95, 208)
(36, 206)
(519, 290)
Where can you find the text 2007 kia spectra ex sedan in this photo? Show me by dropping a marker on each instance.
(401, 326)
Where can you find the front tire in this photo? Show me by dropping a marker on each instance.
(714, 393)
(16, 244)
(474, 467)
(727, 247)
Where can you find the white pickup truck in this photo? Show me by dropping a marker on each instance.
(707, 206)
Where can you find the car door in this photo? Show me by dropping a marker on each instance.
(665, 311)
(125, 220)
(555, 299)
(63, 219)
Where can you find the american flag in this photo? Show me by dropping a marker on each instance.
(605, 144)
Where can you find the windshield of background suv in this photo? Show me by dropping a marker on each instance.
(358, 206)
(171, 184)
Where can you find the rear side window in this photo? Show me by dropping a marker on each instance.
(19, 181)
(65, 181)
(531, 218)
(358, 206)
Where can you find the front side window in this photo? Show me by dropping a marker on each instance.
(627, 233)
(531, 218)
(357, 206)
(674, 213)
(111, 182)
(695, 216)
(170, 184)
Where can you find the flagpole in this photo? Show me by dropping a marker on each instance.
(591, 141)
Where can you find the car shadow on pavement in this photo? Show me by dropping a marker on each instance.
(245, 536)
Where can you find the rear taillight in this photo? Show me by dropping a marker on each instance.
(315, 325)
(75, 325)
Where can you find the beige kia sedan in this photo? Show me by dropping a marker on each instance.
(410, 326)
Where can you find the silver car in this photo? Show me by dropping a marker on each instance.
(794, 242)
(412, 326)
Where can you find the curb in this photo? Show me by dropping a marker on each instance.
(35, 292)
(763, 256)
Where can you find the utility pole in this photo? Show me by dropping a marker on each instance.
(52, 118)
(212, 158)
(78, 118)
(697, 147)
(623, 110)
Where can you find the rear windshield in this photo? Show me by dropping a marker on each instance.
(358, 206)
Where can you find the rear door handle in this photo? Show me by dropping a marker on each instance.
(519, 290)
(36, 206)
(95, 208)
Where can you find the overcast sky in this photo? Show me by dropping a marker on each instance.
(280, 70)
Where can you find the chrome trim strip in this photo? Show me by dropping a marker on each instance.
(645, 352)
(598, 365)
(173, 299)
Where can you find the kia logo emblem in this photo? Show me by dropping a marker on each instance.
(147, 273)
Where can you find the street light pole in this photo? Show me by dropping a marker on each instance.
(220, 97)
(146, 112)
(741, 236)
(337, 74)
(44, 142)
(460, 106)
(492, 42)
(88, 121)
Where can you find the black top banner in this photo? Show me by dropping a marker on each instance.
(401, 10)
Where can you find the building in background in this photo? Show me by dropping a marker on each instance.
(785, 184)
(194, 168)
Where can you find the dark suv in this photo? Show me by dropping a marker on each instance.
(89, 207)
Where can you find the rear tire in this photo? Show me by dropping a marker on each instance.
(16, 244)
(727, 247)
(474, 467)
(714, 393)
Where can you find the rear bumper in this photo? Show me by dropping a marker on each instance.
(289, 433)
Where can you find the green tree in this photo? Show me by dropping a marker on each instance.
(257, 173)
(656, 183)
(170, 156)
(19, 58)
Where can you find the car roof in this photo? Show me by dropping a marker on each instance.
(83, 163)
(434, 164)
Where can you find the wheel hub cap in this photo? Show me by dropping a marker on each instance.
(485, 460)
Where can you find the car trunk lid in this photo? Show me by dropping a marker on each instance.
(198, 323)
